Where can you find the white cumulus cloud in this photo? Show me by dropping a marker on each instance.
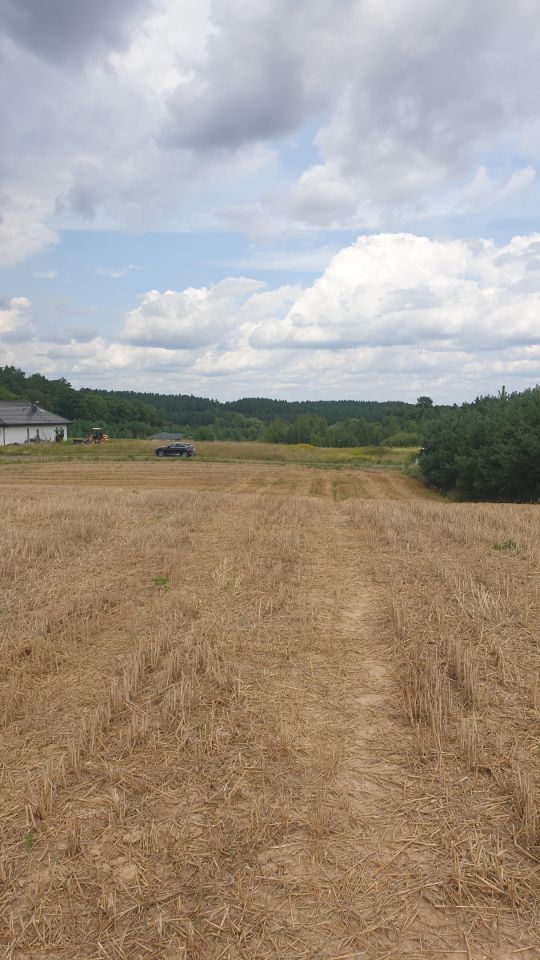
(15, 319)
(388, 304)
(401, 289)
(391, 315)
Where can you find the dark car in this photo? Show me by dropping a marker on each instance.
(176, 450)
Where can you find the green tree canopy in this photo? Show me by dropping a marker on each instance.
(487, 450)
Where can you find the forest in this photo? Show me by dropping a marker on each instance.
(341, 423)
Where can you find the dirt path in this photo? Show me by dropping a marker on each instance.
(381, 859)
(399, 890)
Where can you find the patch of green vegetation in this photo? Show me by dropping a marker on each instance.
(303, 453)
(29, 840)
(160, 583)
(505, 545)
(216, 451)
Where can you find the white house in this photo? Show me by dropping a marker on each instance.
(24, 422)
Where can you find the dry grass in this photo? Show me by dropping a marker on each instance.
(247, 726)
(464, 616)
(256, 478)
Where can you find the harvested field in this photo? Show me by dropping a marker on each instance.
(251, 713)
(257, 478)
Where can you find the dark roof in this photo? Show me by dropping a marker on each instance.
(20, 413)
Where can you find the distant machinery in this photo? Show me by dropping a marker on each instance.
(96, 435)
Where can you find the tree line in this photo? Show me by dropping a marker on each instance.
(130, 414)
(486, 450)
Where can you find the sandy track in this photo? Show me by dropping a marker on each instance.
(339, 484)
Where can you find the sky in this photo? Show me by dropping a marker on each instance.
(303, 199)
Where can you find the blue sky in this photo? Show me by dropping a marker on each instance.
(314, 199)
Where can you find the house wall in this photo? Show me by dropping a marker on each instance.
(23, 434)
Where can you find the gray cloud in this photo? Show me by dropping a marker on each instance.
(249, 108)
(434, 79)
(428, 88)
(68, 29)
(265, 72)
(177, 117)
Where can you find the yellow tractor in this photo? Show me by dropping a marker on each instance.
(96, 435)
